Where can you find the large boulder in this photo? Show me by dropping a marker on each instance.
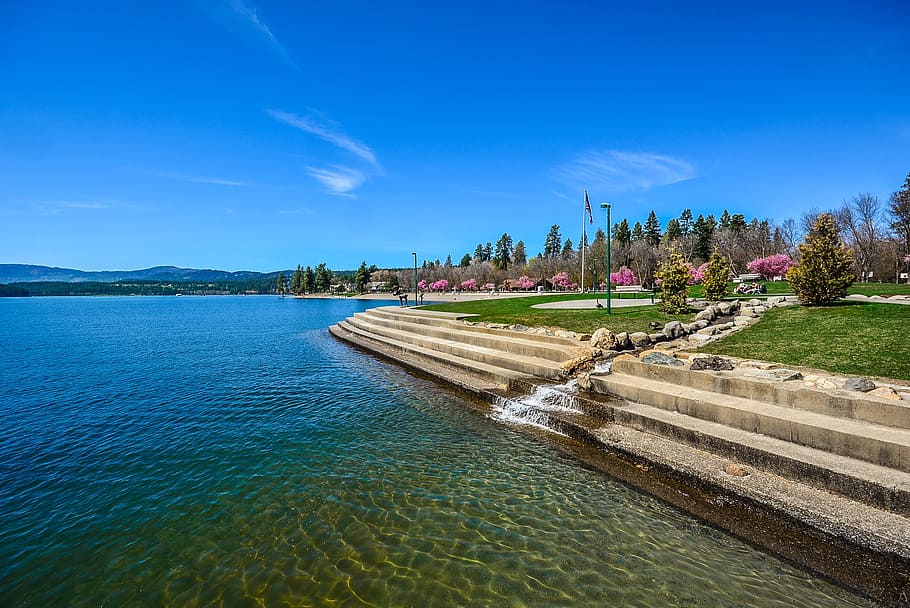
(673, 330)
(659, 358)
(603, 339)
(708, 314)
(863, 385)
(711, 363)
(639, 339)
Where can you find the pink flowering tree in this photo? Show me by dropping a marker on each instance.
(772, 266)
(489, 286)
(562, 281)
(624, 276)
(422, 285)
(469, 285)
(696, 275)
(440, 285)
(525, 282)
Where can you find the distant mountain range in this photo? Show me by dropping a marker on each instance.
(27, 273)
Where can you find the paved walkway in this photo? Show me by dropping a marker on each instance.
(592, 303)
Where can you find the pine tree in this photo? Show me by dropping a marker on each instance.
(553, 243)
(519, 256)
(465, 261)
(685, 221)
(621, 232)
(674, 276)
(297, 281)
(309, 280)
(281, 284)
(652, 229)
(717, 276)
(503, 256)
(673, 233)
(362, 277)
(825, 269)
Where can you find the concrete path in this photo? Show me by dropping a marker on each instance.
(592, 303)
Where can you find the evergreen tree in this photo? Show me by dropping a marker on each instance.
(519, 256)
(553, 243)
(361, 277)
(488, 252)
(621, 232)
(704, 232)
(738, 222)
(465, 261)
(825, 269)
(323, 279)
(309, 280)
(281, 284)
(567, 250)
(685, 221)
(297, 281)
(674, 277)
(478, 252)
(673, 233)
(717, 276)
(448, 262)
(652, 229)
(637, 232)
(725, 219)
(503, 256)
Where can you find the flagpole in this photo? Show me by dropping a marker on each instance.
(584, 243)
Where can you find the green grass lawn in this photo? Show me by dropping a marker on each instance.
(879, 289)
(518, 311)
(847, 338)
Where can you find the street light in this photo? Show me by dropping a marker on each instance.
(414, 253)
(607, 269)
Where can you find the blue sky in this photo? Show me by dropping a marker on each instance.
(246, 135)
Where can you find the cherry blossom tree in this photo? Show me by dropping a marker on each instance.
(624, 276)
(772, 266)
(469, 285)
(525, 282)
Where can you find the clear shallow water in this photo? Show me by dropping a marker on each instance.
(228, 451)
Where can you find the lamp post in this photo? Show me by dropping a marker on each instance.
(414, 253)
(607, 269)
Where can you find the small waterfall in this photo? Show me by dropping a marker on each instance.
(533, 409)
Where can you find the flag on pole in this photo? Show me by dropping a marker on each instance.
(588, 208)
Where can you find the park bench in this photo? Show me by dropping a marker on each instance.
(633, 289)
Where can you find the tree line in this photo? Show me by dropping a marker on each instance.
(877, 232)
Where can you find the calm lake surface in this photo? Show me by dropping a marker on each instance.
(227, 451)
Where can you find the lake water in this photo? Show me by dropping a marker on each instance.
(206, 451)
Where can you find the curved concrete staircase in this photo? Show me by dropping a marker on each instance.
(472, 356)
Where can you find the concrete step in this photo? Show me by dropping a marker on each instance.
(850, 405)
(482, 376)
(877, 444)
(881, 487)
(457, 321)
(454, 347)
(518, 345)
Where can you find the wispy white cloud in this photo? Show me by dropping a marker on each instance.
(198, 179)
(327, 132)
(622, 171)
(249, 14)
(56, 207)
(338, 179)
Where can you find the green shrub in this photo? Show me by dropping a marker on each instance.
(825, 269)
(674, 276)
(717, 274)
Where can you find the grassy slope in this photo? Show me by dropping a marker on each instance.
(847, 338)
(519, 311)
